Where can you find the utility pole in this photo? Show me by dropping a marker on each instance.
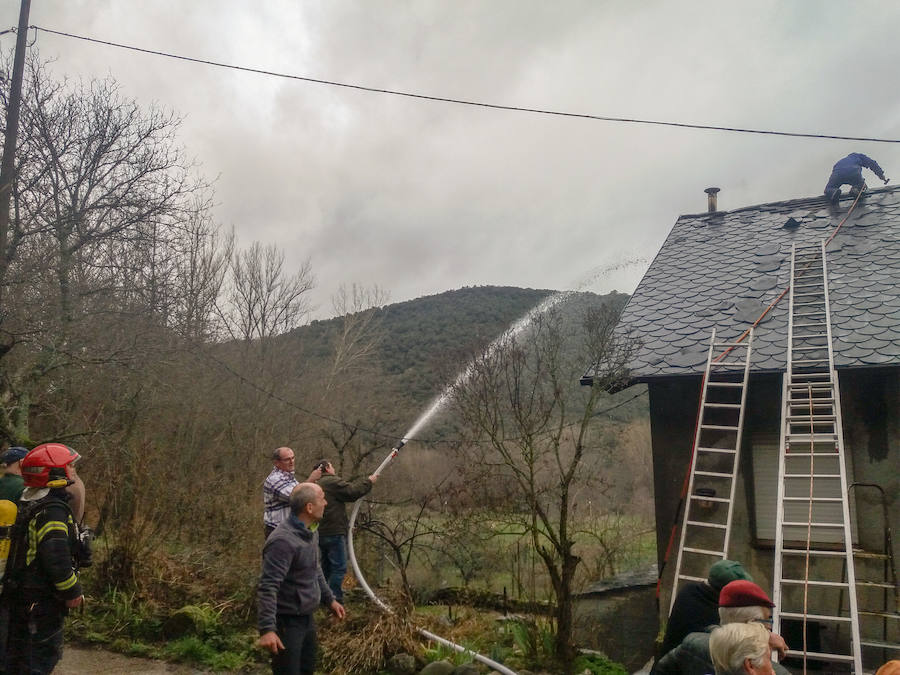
(8, 164)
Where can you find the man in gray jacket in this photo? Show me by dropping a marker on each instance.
(292, 586)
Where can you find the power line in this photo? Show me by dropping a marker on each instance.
(458, 101)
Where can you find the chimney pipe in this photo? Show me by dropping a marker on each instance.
(711, 199)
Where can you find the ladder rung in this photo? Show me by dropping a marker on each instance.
(731, 406)
(724, 384)
(697, 523)
(811, 582)
(728, 345)
(813, 499)
(817, 617)
(701, 498)
(797, 362)
(807, 386)
(713, 474)
(727, 451)
(800, 524)
(719, 427)
(808, 349)
(803, 552)
(703, 551)
(820, 656)
(810, 325)
(816, 402)
(815, 475)
(816, 437)
(823, 455)
(687, 577)
(729, 363)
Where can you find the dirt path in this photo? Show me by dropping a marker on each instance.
(85, 661)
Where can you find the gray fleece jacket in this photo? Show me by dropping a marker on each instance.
(291, 581)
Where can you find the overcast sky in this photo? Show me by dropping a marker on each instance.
(421, 197)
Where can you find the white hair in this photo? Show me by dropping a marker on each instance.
(741, 614)
(730, 645)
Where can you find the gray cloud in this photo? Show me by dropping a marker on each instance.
(421, 197)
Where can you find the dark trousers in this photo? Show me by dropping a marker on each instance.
(298, 633)
(35, 641)
(852, 177)
(333, 548)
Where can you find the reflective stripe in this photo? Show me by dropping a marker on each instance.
(51, 526)
(66, 584)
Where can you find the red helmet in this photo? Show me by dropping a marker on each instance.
(49, 465)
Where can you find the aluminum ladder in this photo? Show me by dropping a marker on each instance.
(814, 566)
(706, 524)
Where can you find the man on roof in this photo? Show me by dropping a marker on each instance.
(848, 171)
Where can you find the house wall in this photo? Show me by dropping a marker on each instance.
(870, 402)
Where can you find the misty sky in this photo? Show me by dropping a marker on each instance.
(421, 197)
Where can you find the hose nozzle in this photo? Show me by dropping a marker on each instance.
(400, 445)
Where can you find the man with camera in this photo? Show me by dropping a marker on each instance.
(334, 524)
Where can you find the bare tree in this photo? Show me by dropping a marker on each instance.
(533, 429)
(263, 299)
(100, 195)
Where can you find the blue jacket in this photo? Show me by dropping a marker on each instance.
(856, 162)
(291, 581)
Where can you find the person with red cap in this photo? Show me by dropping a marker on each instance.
(740, 601)
(696, 605)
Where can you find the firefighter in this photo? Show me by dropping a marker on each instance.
(41, 583)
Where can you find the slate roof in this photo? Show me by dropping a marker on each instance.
(723, 269)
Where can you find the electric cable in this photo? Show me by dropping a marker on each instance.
(467, 102)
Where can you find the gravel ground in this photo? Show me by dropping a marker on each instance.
(84, 661)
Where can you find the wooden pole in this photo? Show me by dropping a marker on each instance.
(8, 163)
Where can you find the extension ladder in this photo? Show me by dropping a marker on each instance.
(706, 526)
(814, 566)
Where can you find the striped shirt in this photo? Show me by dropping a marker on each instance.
(276, 493)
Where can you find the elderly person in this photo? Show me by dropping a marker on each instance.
(741, 649)
(740, 601)
(278, 486)
(292, 587)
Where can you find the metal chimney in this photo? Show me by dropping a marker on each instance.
(711, 199)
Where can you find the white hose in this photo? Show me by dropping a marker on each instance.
(365, 586)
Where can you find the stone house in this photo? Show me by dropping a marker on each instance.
(721, 270)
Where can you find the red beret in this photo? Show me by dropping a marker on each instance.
(742, 593)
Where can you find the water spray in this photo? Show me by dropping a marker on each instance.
(438, 403)
(499, 667)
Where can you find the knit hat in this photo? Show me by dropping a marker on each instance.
(13, 455)
(726, 571)
(743, 593)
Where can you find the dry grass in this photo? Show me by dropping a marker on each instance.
(366, 639)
